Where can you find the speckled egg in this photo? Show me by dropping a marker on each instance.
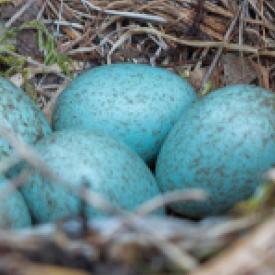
(223, 145)
(14, 213)
(105, 165)
(137, 104)
(19, 112)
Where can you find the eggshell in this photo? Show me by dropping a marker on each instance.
(20, 113)
(14, 213)
(137, 104)
(223, 145)
(108, 167)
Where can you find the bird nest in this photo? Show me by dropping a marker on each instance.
(44, 43)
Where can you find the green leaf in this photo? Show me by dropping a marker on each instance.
(206, 88)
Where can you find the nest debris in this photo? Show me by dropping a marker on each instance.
(212, 43)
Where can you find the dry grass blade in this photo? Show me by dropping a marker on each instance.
(170, 197)
(271, 175)
(252, 254)
(145, 17)
(49, 108)
(19, 13)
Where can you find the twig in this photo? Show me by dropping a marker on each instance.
(26, 6)
(270, 25)
(241, 24)
(253, 254)
(49, 108)
(270, 175)
(59, 18)
(64, 23)
(134, 15)
(220, 50)
(42, 10)
(170, 197)
(192, 43)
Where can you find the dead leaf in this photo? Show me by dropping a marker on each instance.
(197, 75)
(237, 70)
(263, 75)
(7, 11)
(26, 44)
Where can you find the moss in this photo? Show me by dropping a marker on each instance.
(47, 46)
(11, 62)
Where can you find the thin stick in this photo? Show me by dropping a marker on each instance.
(241, 25)
(134, 15)
(19, 13)
(59, 18)
(170, 197)
(271, 175)
(220, 50)
(191, 43)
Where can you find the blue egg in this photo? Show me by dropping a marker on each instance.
(20, 113)
(14, 213)
(223, 145)
(137, 104)
(105, 165)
